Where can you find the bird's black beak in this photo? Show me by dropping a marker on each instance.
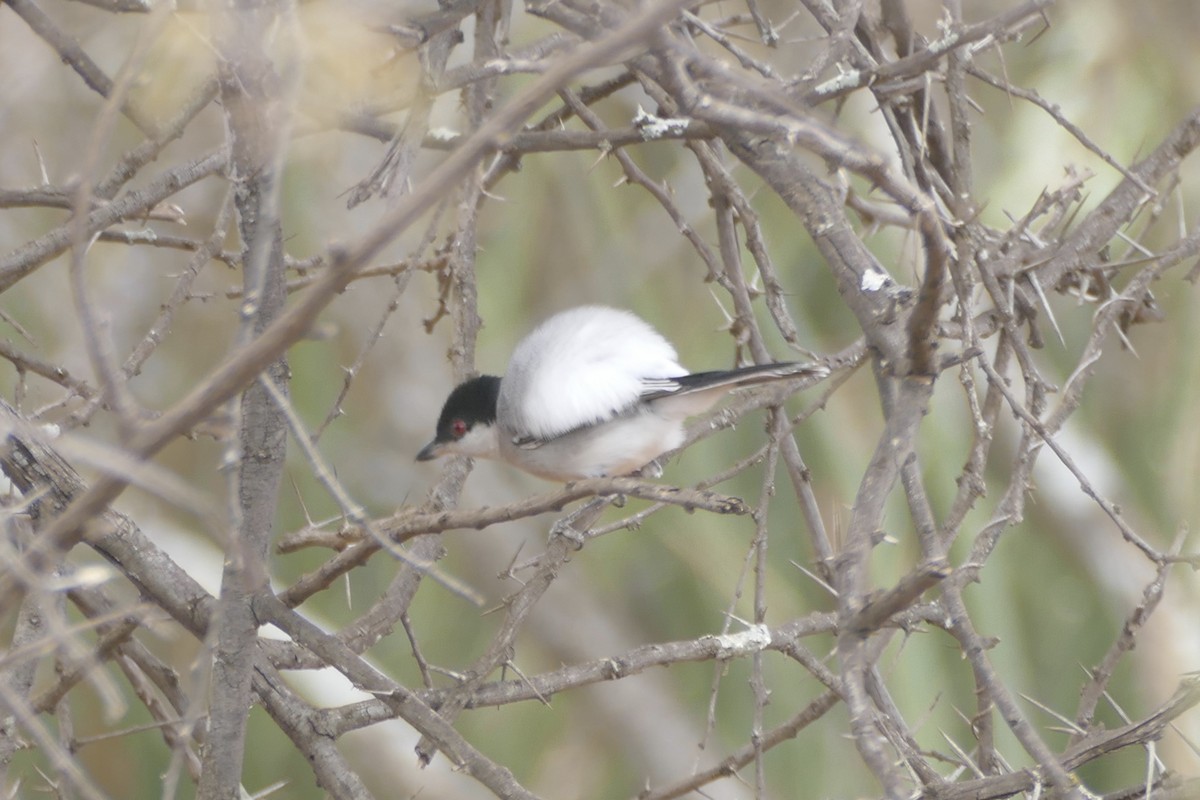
(430, 451)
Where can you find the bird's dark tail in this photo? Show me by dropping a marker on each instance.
(730, 379)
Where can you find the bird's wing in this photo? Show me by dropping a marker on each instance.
(580, 368)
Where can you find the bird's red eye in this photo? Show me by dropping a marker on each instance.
(458, 428)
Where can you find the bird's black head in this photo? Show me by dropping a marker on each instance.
(470, 407)
(472, 402)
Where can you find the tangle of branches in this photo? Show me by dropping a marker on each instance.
(155, 411)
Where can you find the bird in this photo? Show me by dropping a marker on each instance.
(591, 392)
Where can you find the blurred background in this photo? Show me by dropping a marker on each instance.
(562, 232)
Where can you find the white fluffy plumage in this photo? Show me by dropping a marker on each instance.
(581, 367)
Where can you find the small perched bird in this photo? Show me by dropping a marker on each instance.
(591, 392)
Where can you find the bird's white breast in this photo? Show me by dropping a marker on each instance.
(618, 447)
